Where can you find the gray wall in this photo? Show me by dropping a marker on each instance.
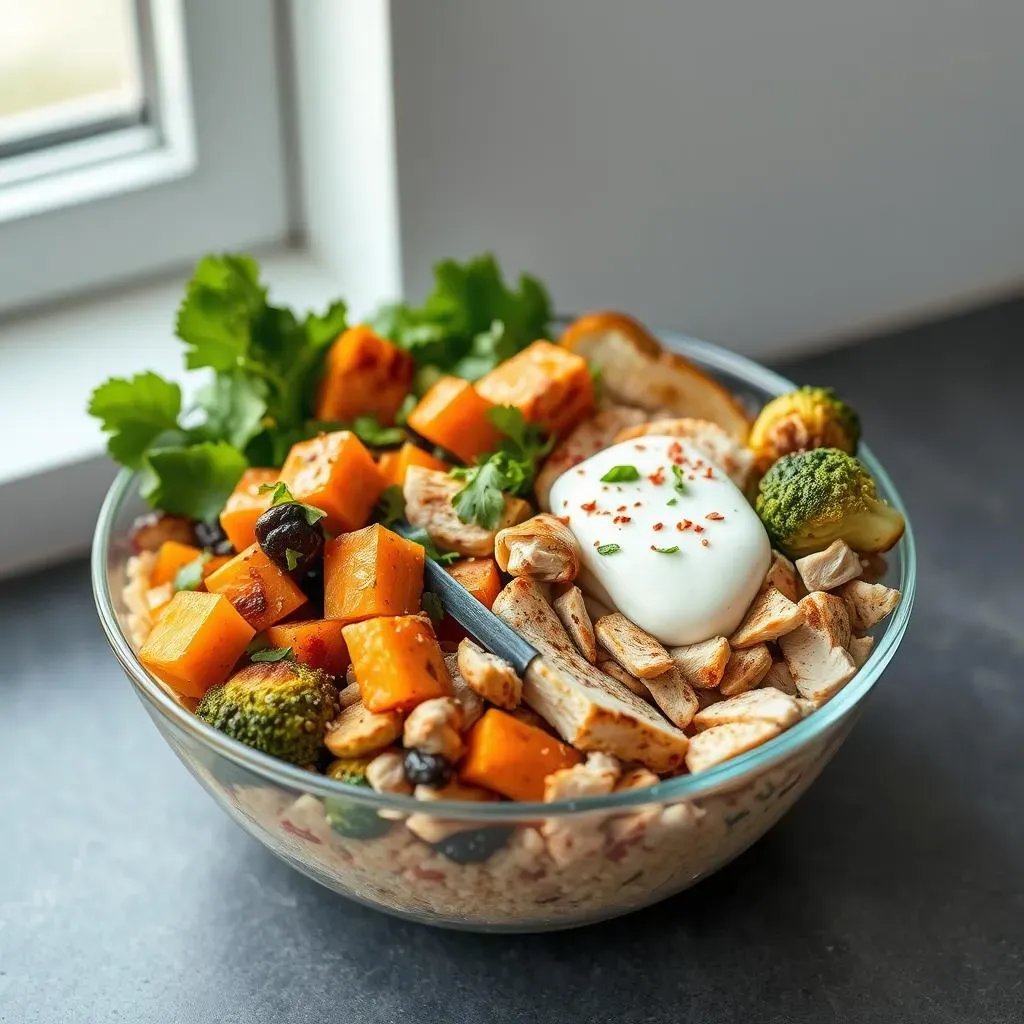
(763, 174)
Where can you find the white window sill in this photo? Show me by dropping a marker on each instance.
(53, 470)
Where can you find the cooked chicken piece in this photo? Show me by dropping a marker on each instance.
(434, 727)
(469, 702)
(705, 698)
(831, 568)
(571, 608)
(542, 548)
(807, 707)
(633, 648)
(616, 671)
(867, 603)
(637, 778)
(815, 652)
(860, 649)
(432, 829)
(587, 439)
(386, 773)
(595, 777)
(771, 615)
(722, 742)
(779, 678)
(349, 694)
(675, 696)
(703, 664)
(763, 705)
(636, 371)
(491, 677)
(782, 576)
(357, 731)
(745, 670)
(717, 445)
(428, 503)
(588, 708)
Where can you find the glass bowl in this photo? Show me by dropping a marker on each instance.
(504, 866)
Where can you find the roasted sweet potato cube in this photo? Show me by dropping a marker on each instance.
(245, 506)
(365, 375)
(317, 643)
(479, 576)
(372, 572)
(397, 662)
(394, 465)
(335, 473)
(548, 384)
(196, 642)
(172, 557)
(261, 592)
(453, 415)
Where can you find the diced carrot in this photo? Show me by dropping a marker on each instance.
(261, 592)
(548, 384)
(397, 662)
(196, 642)
(246, 505)
(393, 465)
(453, 415)
(317, 643)
(480, 576)
(513, 758)
(172, 556)
(335, 473)
(372, 572)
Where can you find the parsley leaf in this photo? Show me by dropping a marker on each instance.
(234, 405)
(192, 481)
(621, 475)
(672, 501)
(390, 505)
(609, 549)
(677, 473)
(280, 495)
(668, 551)
(421, 537)
(374, 435)
(136, 413)
(271, 654)
(189, 576)
(433, 607)
(292, 558)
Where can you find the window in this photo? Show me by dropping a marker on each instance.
(134, 135)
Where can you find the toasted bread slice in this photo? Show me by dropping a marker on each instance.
(637, 371)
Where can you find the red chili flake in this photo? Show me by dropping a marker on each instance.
(658, 476)
(684, 524)
(709, 473)
(622, 519)
(675, 451)
(698, 464)
(640, 447)
(714, 516)
(637, 504)
(659, 526)
(704, 542)
(621, 508)
(589, 506)
(563, 519)
(698, 528)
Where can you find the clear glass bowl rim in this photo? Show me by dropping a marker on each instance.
(724, 777)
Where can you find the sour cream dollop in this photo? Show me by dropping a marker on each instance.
(672, 542)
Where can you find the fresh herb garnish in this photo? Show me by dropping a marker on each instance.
(672, 501)
(608, 549)
(469, 323)
(509, 470)
(292, 558)
(281, 495)
(189, 576)
(271, 654)
(421, 537)
(369, 430)
(668, 551)
(432, 606)
(390, 506)
(677, 474)
(621, 475)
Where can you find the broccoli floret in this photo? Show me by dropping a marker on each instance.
(278, 707)
(809, 500)
(353, 820)
(802, 420)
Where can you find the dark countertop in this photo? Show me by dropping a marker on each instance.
(894, 891)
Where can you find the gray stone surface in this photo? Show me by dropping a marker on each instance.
(893, 892)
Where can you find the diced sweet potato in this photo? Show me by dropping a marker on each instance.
(397, 662)
(261, 592)
(172, 556)
(371, 572)
(335, 473)
(453, 415)
(245, 506)
(317, 643)
(513, 758)
(548, 384)
(196, 642)
(365, 375)
(479, 576)
(394, 465)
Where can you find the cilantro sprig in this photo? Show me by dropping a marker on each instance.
(281, 495)
(509, 470)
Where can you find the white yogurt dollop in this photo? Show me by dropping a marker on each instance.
(666, 495)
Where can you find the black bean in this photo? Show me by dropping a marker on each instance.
(285, 528)
(427, 769)
(474, 845)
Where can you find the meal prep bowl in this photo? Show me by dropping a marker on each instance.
(507, 866)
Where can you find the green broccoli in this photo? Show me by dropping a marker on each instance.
(804, 419)
(811, 499)
(354, 821)
(278, 707)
